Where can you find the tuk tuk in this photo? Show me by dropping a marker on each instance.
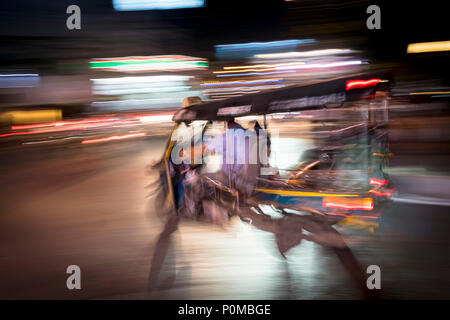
(335, 132)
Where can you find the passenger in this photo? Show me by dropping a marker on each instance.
(236, 161)
(240, 158)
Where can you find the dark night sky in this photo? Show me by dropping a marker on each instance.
(36, 28)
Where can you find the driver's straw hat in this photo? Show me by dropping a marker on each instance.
(190, 101)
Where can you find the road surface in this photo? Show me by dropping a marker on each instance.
(90, 206)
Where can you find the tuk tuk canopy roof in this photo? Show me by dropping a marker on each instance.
(292, 98)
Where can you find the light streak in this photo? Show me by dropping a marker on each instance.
(233, 89)
(378, 182)
(348, 204)
(142, 79)
(291, 193)
(259, 45)
(148, 64)
(38, 132)
(111, 138)
(60, 123)
(422, 47)
(252, 74)
(312, 53)
(359, 84)
(322, 65)
(133, 5)
(430, 92)
(20, 75)
(230, 83)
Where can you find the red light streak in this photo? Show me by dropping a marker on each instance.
(348, 204)
(378, 182)
(60, 123)
(125, 136)
(359, 84)
(38, 132)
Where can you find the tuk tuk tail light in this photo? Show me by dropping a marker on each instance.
(378, 182)
(348, 203)
(361, 84)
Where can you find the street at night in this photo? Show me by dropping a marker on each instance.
(92, 207)
(223, 151)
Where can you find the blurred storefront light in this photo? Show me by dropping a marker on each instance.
(422, 47)
(149, 63)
